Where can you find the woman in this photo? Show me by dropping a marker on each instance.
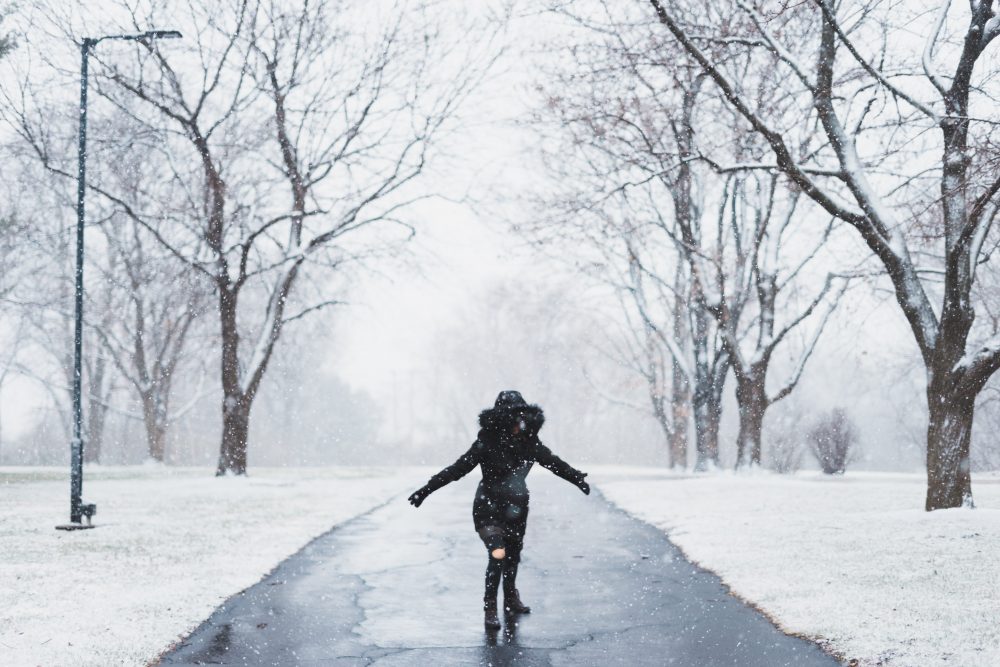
(506, 449)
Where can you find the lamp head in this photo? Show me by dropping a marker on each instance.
(163, 34)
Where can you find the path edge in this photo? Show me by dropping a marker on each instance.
(177, 643)
(819, 642)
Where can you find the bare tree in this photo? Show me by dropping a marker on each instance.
(156, 299)
(620, 175)
(660, 366)
(157, 307)
(742, 270)
(877, 191)
(655, 352)
(287, 136)
(748, 290)
(647, 133)
(40, 294)
(140, 301)
(699, 361)
(99, 375)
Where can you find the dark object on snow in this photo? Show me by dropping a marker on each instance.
(833, 439)
(87, 511)
(506, 449)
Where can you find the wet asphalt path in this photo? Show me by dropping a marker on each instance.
(401, 586)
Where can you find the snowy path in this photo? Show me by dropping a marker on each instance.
(400, 586)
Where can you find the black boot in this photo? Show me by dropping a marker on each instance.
(491, 619)
(512, 603)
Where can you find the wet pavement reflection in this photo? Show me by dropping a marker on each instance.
(501, 649)
(401, 586)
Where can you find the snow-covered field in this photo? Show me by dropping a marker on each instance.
(851, 561)
(171, 545)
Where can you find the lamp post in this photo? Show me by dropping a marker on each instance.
(77, 509)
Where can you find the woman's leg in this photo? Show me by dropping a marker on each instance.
(492, 537)
(514, 542)
(494, 571)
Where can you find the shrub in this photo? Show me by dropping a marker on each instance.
(833, 439)
(784, 456)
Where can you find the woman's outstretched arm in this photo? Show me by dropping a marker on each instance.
(456, 471)
(548, 460)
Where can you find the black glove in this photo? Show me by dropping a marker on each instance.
(582, 485)
(419, 495)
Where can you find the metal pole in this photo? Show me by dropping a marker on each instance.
(77, 509)
(76, 471)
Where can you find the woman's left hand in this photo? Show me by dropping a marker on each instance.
(583, 486)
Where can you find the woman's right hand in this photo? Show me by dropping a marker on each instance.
(418, 496)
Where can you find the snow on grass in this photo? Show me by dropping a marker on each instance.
(853, 561)
(170, 546)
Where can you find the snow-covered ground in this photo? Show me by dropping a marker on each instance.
(171, 545)
(852, 561)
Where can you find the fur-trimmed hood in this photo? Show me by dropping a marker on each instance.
(510, 407)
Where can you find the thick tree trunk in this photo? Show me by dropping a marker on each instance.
(706, 400)
(156, 438)
(707, 406)
(948, 435)
(235, 406)
(702, 426)
(752, 402)
(719, 371)
(235, 427)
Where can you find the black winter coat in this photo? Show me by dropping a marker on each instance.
(505, 459)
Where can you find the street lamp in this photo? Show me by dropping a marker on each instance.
(77, 509)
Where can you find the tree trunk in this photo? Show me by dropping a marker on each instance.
(752, 402)
(156, 437)
(699, 404)
(706, 407)
(707, 415)
(97, 410)
(156, 430)
(679, 417)
(235, 406)
(235, 426)
(710, 442)
(720, 369)
(948, 434)
(95, 432)
(680, 385)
